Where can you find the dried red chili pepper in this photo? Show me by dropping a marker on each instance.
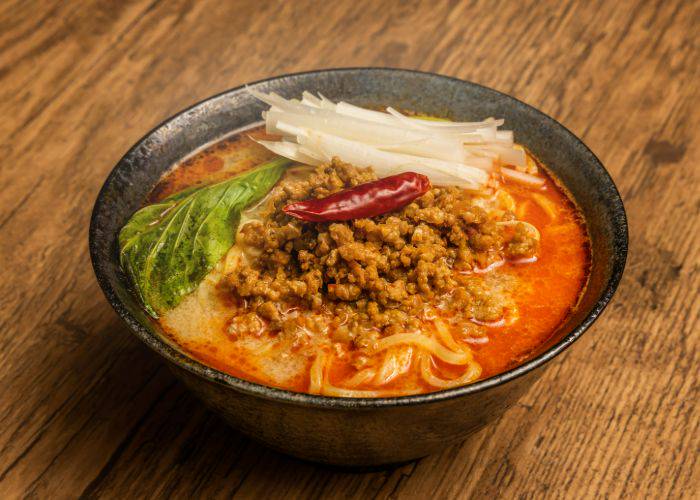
(366, 200)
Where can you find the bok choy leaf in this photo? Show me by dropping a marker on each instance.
(167, 248)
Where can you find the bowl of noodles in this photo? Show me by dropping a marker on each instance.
(359, 266)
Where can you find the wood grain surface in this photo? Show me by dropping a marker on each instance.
(86, 409)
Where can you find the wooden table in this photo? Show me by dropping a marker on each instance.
(87, 409)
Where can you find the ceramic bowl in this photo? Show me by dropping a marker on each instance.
(347, 431)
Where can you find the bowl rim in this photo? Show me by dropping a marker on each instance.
(155, 342)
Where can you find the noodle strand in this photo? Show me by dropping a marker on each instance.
(473, 372)
(444, 335)
(361, 377)
(396, 362)
(427, 343)
(317, 373)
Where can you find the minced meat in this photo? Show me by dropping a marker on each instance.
(373, 276)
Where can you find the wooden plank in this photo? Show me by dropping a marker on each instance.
(87, 409)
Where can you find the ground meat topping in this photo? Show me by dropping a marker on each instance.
(374, 276)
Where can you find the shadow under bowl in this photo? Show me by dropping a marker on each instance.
(348, 431)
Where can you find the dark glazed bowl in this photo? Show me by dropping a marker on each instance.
(361, 432)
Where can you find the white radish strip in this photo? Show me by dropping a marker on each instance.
(426, 149)
(271, 99)
(315, 129)
(399, 140)
(445, 127)
(448, 124)
(449, 167)
(504, 136)
(413, 123)
(474, 131)
(280, 104)
(522, 177)
(511, 156)
(309, 99)
(423, 123)
(487, 133)
(354, 128)
(385, 169)
(508, 156)
(479, 152)
(312, 154)
(386, 163)
(348, 109)
(488, 122)
(289, 129)
(300, 109)
(405, 120)
(325, 102)
(291, 151)
(472, 138)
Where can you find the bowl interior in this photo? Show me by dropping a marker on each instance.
(565, 155)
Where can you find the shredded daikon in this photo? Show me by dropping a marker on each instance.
(522, 177)
(315, 129)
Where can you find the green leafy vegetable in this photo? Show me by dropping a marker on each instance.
(167, 248)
